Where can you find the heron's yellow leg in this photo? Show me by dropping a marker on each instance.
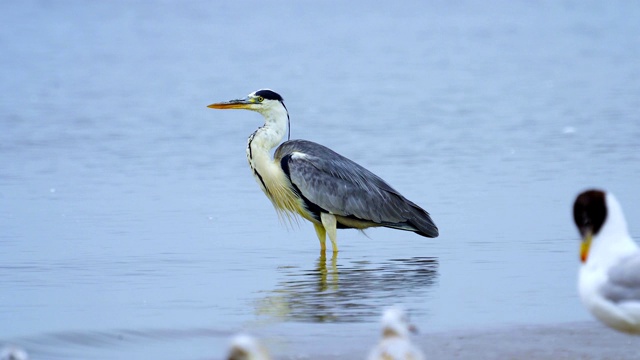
(329, 222)
(322, 236)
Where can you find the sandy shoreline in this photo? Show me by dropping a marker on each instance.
(582, 340)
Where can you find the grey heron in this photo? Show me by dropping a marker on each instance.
(609, 279)
(307, 179)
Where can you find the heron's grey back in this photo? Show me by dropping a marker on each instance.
(342, 187)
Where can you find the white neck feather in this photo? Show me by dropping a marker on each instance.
(269, 135)
(262, 141)
(613, 240)
(276, 122)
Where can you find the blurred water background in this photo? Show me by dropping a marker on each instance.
(130, 225)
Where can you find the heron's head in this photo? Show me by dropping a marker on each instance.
(263, 101)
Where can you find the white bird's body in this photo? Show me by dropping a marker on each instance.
(395, 349)
(395, 343)
(609, 277)
(13, 353)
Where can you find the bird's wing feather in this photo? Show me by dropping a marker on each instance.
(341, 186)
(624, 280)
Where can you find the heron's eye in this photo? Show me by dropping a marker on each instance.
(260, 99)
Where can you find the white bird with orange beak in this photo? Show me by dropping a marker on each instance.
(609, 282)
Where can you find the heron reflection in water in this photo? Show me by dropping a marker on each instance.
(307, 179)
(351, 291)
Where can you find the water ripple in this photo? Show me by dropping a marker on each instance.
(335, 293)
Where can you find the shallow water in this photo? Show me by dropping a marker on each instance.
(130, 223)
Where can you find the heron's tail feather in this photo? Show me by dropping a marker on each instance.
(420, 222)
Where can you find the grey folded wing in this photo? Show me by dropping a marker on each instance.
(340, 186)
(624, 280)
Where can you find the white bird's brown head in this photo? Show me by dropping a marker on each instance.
(395, 323)
(589, 214)
(245, 347)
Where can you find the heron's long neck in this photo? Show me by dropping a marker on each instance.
(276, 121)
(263, 140)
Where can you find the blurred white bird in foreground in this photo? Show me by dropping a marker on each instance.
(609, 282)
(245, 347)
(395, 343)
(13, 353)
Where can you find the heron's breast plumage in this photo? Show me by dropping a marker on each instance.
(275, 184)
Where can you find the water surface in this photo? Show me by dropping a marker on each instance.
(130, 222)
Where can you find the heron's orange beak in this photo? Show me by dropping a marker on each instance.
(584, 247)
(233, 104)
